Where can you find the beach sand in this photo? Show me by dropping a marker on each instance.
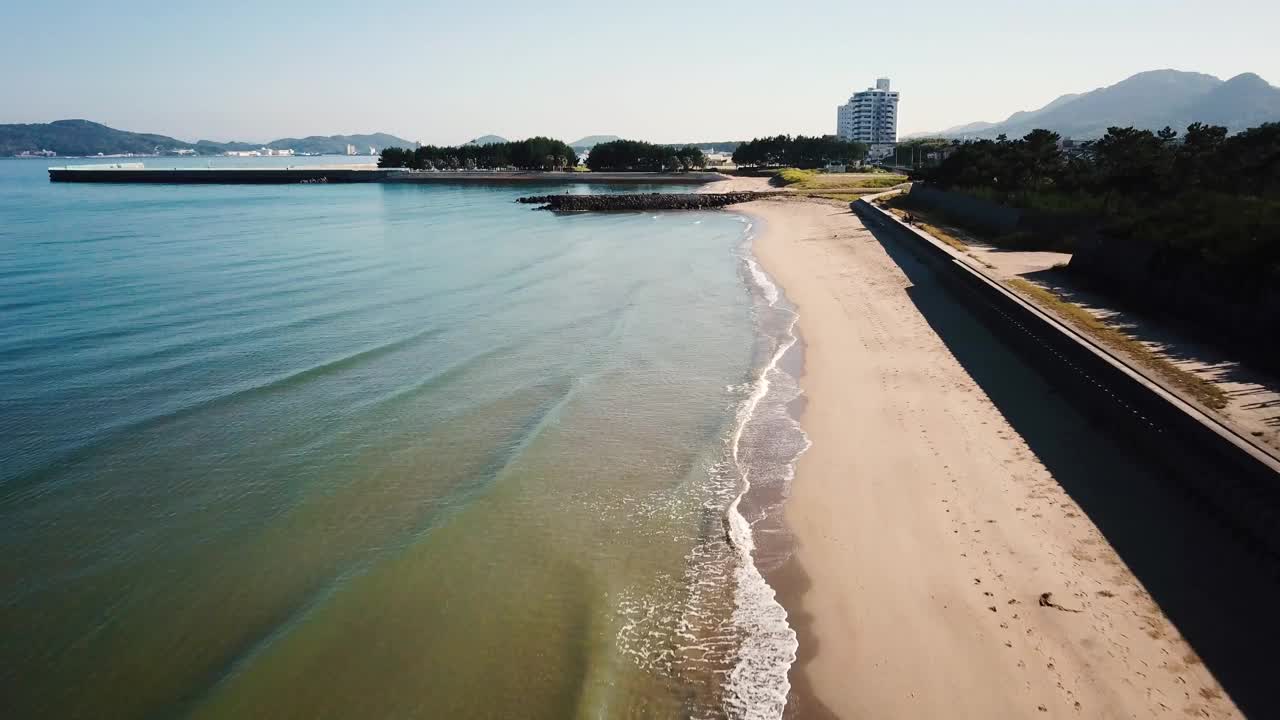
(927, 530)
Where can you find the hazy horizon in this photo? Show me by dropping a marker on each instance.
(664, 72)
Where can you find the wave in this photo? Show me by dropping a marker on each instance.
(21, 487)
(552, 395)
(758, 684)
(161, 317)
(724, 637)
(155, 362)
(192, 316)
(769, 289)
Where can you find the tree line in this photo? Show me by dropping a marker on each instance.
(636, 155)
(536, 153)
(798, 152)
(1214, 196)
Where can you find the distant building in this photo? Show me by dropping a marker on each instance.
(879, 151)
(1075, 148)
(37, 153)
(870, 116)
(351, 149)
(262, 152)
(719, 159)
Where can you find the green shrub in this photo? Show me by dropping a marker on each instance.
(792, 176)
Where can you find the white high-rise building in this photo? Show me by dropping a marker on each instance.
(870, 116)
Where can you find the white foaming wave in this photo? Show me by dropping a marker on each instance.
(765, 283)
(676, 627)
(758, 685)
(683, 635)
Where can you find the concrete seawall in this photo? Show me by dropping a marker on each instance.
(1235, 480)
(322, 175)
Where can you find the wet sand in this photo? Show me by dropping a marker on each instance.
(955, 525)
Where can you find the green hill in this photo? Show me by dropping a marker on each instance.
(488, 140)
(591, 141)
(83, 137)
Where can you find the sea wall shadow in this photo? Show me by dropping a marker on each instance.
(1212, 584)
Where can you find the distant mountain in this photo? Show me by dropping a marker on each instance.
(1149, 100)
(488, 140)
(967, 130)
(1240, 103)
(82, 137)
(591, 141)
(1025, 116)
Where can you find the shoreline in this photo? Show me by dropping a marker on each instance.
(914, 592)
(762, 448)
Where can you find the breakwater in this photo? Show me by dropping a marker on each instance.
(642, 201)
(128, 173)
(218, 176)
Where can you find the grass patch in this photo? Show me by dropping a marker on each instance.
(852, 181)
(945, 236)
(1202, 390)
(845, 183)
(881, 182)
(843, 194)
(793, 176)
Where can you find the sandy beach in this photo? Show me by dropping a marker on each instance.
(939, 567)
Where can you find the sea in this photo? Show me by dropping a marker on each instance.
(386, 451)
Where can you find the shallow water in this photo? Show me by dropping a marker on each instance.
(380, 451)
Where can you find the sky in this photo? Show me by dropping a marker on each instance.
(689, 71)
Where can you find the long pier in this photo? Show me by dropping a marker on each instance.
(132, 173)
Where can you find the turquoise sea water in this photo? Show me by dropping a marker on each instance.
(381, 451)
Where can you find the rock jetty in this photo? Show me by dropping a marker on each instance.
(641, 201)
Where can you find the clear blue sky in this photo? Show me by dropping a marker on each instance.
(444, 72)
